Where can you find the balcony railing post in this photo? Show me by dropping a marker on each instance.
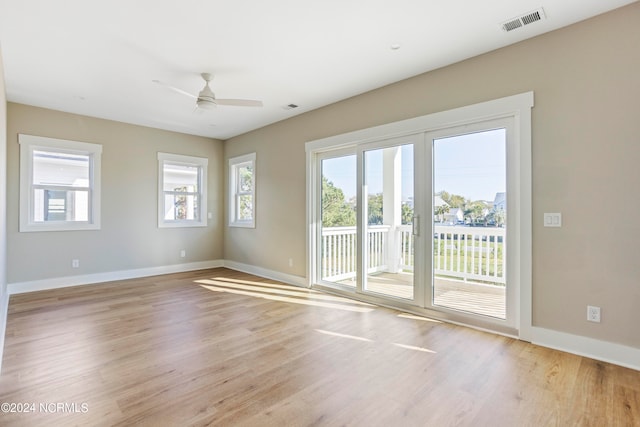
(393, 250)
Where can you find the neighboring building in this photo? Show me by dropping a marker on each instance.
(454, 216)
(438, 214)
(500, 201)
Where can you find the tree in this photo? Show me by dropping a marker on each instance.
(453, 200)
(245, 182)
(475, 211)
(439, 212)
(374, 209)
(406, 214)
(376, 214)
(497, 217)
(336, 211)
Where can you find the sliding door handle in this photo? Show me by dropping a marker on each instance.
(415, 226)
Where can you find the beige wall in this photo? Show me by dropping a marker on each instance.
(586, 164)
(129, 237)
(3, 210)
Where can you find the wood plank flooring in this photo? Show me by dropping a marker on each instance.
(218, 347)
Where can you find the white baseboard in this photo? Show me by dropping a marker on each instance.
(289, 279)
(110, 276)
(4, 311)
(617, 354)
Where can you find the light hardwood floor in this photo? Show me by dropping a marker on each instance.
(218, 347)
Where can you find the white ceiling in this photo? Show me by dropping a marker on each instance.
(98, 58)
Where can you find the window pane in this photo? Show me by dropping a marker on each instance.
(338, 233)
(242, 187)
(60, 205)
(469, 222)
(245, 207)
(178, 208)
(245, 178)
(180, 177)
(54, 168)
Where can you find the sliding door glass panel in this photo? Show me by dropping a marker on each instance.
(338, 236)
(470, 223)
(387, 231)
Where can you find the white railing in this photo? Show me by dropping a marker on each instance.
(470, 253)
(406, 247)
(339, 251)
(378, 245)
(467, 253)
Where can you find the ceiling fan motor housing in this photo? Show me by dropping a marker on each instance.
(206, 98)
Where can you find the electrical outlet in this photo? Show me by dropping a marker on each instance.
(290, 262)
(75, 263)
(593, 314)
(183, 253)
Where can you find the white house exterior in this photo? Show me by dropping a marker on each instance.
(500, 202)
(454, 216)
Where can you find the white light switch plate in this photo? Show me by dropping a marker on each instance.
(553, 219)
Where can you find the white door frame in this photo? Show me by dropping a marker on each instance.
(517, 107)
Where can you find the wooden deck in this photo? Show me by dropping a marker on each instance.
(471, 297)
(486, 300)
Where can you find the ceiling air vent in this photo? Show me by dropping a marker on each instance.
(290, 107)
(521, 21)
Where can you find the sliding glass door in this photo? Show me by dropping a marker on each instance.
(387, 220)
(470, 222)
(423, 221)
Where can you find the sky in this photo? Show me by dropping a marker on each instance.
(472, 165)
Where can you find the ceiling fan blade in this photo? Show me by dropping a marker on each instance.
(175, 89)
(239, 102)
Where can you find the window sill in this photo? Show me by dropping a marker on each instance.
(182, 224)
(243, 224)
(83, 226)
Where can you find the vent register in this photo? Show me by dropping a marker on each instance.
(521, 21)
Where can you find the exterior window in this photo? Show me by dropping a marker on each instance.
(182, 195)
(242, 191)
(59, 184)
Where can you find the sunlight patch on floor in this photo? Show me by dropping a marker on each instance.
(416, 317)
(412, 347)
(336, 334)
(353, 337)
(212, 285)
(280, 290)
(268, 285)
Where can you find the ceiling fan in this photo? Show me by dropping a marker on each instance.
(207, 100)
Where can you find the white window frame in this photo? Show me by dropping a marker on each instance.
(235, 164)
(201, 163)
(29, 143)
